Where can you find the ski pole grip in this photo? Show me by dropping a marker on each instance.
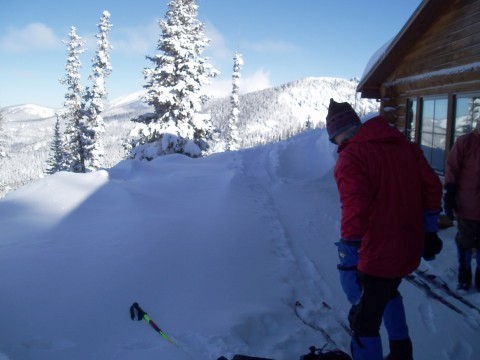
(140, 312)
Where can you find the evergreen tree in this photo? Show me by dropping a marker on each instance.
(3, 148)
(73, 106)
(3, 136)
(56, 161)
(94, 126)
(232, 137)
(174, 89)
(309, 123)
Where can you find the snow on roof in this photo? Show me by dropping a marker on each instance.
(378, 56)
(442, 72)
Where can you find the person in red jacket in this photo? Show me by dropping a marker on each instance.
(390, 200)
(462, 197)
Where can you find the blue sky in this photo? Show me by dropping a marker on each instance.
(280, 40)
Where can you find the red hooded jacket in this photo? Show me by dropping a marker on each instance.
(463, 169)
(385, 186)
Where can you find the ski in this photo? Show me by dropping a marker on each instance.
(422, 285)
(342, 322)
(313, 325)
(439, 283)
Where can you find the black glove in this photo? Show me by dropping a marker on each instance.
(432, 246)
(449, 199)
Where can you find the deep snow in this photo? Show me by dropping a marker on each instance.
(216, 250)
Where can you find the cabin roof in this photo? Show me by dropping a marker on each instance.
(389, 58)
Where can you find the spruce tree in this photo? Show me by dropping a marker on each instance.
(232, 138)
(73, 105)
(3, 136)
(56, 162)
(175, 89)
(94, 126)
(3, 149)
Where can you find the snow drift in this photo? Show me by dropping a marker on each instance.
(216, 250)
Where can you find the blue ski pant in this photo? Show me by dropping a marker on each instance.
(379, 300)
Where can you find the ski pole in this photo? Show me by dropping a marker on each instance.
(142, 315)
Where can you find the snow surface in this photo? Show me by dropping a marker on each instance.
(216, 250)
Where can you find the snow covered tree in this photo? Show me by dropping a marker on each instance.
(73, 106)
(175, 89)
(3, 136)
(476, 112)
(232, 138)
(94, 126)
(56, 162)
(3, 149)
(309, 123)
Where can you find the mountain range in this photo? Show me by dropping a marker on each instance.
(265, 116)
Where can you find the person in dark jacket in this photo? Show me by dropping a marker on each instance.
(462, 198)
(390, 200)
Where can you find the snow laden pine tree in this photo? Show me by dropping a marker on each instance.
(232, 138)
(73, 106)
(174, 89)
(93, 125)
(3, 136)
(3, 148)
(56, 162)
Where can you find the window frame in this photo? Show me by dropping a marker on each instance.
(430, 155)
(453, 133)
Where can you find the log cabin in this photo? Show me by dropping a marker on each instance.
(427, 78)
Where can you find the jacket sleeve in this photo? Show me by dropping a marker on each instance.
(453, 165)
(431, 186)
(354, 189)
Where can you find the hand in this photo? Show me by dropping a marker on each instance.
(432, 246)
(449, 200)
(348, 256)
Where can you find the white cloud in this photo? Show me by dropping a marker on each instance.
(141, 39)
(217, 47)
(259, 80)
(33, 37)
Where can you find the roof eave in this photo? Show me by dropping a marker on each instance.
(420, 19)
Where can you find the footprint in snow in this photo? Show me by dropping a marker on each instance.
(139, 345)
(39, 344)
(460, 351)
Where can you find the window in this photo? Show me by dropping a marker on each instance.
(433, 131)
(411, 118)
(467, 114)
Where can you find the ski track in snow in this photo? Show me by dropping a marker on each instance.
(428, 317)
(304, 278)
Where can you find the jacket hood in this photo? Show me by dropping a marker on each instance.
(376, 129)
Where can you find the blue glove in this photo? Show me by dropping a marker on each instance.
(348, 256)
(430, 221)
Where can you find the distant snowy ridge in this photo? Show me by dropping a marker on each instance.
(282, 111)
(265, 116)
(27, 112)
